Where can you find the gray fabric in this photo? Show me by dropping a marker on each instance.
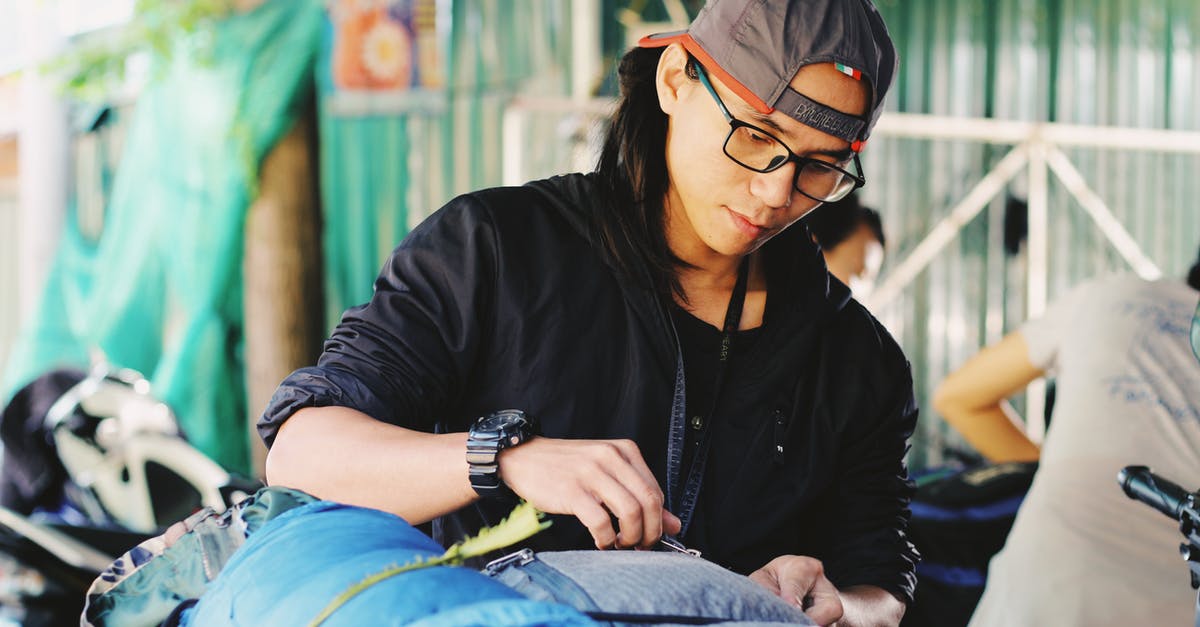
(819, 116)
(646, 582)
(763, 43)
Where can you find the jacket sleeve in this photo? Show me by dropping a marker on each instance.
(402, 356)
(869, 513)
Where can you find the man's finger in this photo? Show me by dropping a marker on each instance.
(629, 449)
(644, 488)
(617, 499)
(671, 523)
(824, 611)
(596, 519)
(796, 590)
(764, 578)
(817, 597)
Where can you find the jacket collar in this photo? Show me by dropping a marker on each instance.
(797, 275)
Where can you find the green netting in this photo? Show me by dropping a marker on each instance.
(387, 167)
(161, 290)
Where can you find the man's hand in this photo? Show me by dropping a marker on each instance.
(595, 481)
(801, 581)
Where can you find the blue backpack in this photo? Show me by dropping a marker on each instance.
(960, 519)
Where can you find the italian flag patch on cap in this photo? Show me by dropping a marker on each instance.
(848, 71)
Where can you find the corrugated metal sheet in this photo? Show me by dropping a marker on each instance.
(1092, 62)
(385, 171)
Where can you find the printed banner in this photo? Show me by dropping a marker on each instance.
(386, 44)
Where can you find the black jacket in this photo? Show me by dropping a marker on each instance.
(503, 299)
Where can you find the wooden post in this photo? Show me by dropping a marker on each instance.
(283, 291)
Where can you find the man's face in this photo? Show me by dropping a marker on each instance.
(714, 205)
(860, 256)
(864, 253)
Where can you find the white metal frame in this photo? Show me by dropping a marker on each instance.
(1037, 150)
(515, 123)
(1037, 146)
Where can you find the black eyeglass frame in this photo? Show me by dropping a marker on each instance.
(800, 161)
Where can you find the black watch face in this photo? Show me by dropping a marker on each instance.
(499, 421)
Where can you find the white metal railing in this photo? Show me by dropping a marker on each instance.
(516, 119)
(1037, 149)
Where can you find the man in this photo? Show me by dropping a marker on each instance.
(852, 241)
(624, 315)
(1127, 392)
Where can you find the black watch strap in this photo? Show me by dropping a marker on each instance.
(483, 464)
(488, 436)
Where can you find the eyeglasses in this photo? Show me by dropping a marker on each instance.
(757, 150)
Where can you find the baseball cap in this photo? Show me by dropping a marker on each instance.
(757, 46)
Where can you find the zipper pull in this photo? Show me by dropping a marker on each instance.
(669, 543)
(519, 558)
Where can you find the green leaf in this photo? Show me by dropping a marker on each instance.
(523, 522)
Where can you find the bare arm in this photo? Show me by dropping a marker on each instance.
(341, 454)
(971, 399)
(344, 455)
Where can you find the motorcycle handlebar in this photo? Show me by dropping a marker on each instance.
(1139, 483)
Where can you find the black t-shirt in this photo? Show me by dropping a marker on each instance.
(701, 345)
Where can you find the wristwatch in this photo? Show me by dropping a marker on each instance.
(488, 436)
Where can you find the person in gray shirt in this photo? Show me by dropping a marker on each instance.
(1127, 392)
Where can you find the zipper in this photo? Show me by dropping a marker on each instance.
(780, 433)
(519, 558)
(671, 544)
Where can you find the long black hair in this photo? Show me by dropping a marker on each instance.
(632, 172)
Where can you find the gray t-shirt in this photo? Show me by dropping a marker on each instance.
(1128, 392)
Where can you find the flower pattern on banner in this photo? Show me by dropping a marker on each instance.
(385, 44)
